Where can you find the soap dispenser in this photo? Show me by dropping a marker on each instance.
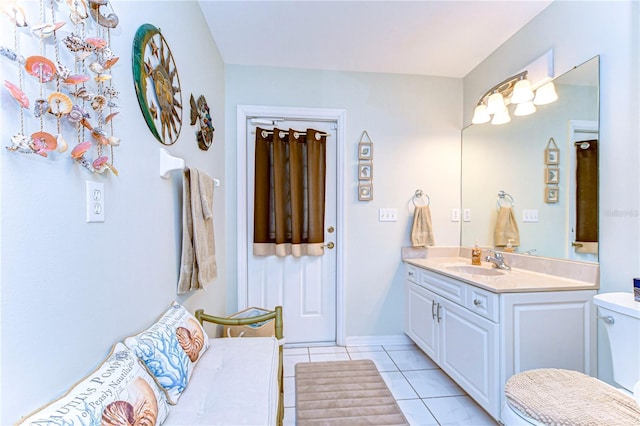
(509, 248)
(476, 255)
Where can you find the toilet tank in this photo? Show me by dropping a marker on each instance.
(621, 316)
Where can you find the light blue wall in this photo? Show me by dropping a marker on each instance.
(414, 122)
(578, 31)
(71, 289)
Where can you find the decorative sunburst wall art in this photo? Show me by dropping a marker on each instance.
(64, 88)
(157, 84)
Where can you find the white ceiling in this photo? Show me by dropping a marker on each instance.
(436, 38)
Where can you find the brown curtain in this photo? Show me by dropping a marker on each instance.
(289, 193)
(587, 196)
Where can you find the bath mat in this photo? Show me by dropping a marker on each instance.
(344, 393)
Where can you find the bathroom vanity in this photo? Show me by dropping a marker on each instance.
(482, 325)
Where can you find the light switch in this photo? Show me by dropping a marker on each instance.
(529, 215)
(455, 215)
(466, 215)
(387, 215)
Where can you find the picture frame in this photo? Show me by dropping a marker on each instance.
(551, 156)
(551, 194)
(365, 151)
(365, 192)
(365, 171)
(552, 175)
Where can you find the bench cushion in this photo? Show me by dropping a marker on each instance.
(234, 383)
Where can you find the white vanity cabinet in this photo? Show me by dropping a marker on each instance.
(481, 338)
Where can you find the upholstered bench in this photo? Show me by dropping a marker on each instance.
(172, 373)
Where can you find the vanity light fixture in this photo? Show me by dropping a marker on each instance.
(517, 90)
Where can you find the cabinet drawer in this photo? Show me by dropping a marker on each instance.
(447, 287)
(413, 273)
(483, 303)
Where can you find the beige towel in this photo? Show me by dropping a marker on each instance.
(506, 228)
(422, 230)
(198, 264)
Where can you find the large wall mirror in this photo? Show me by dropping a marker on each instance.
(554, 205)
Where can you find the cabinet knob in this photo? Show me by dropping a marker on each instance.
(410, 274)
(477, 302)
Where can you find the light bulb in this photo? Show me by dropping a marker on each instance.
(495, 103)
(522, 92)
(525, 108)
(546, 94)
(501, 117)
(480, 115)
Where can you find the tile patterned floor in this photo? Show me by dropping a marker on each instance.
(425, 394)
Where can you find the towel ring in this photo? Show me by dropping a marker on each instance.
(504, 197)
(422, 198)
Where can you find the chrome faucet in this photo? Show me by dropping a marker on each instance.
(498, 260)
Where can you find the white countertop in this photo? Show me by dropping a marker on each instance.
(512, 281)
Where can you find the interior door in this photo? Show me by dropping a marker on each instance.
(304, 286)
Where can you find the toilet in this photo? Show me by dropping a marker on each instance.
(558, 396)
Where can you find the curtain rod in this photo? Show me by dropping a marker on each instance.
(295, 134)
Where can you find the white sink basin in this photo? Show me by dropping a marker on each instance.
(475, 270)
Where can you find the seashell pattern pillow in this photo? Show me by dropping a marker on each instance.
(119, 392)
(170, 348)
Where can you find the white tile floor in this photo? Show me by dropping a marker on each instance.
(424, 393)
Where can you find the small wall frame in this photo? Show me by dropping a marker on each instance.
(365, 171)
(365, 151)
(552, 175)
(551, 153)
(365, 168)
(551, 194)
(365, 192)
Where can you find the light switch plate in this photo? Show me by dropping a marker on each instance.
(387, 215)
(455, 215)
(529, 215)
(95, 201)
(466, 215)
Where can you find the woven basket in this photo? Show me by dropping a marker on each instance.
(261, 329)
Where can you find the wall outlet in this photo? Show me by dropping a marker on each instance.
(95, 201)
(529, 215)
(387, 215)
(455, 215)
(466, 215)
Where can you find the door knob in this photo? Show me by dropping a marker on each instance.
(329, 245)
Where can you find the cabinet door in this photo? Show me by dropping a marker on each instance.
(469, 354)
(420, 319)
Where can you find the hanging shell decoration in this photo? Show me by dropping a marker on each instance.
(12, 55)
(14, 12)
(83, 85)
(109, 21)
(59, 104)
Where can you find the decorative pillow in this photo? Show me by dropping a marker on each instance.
(170, 348)
(119, 392)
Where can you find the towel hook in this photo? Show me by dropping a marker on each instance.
(422, 197)
(505, 197)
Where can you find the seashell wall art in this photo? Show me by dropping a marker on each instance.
(63, 88)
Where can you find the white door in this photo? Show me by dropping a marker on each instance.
(304, 286)
(579, 130)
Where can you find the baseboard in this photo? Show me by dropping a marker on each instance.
(396, 339)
